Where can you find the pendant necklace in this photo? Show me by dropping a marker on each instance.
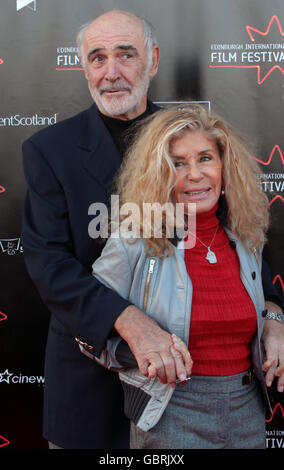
(210, 256)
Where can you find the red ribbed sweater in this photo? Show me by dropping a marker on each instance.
(223, 317)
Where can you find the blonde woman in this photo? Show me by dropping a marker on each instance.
(207, 294)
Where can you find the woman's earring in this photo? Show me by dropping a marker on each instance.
(222, 191)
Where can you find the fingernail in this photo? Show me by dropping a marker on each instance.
(280, 389)
(269, 383)
(182, 377)
(178, 381)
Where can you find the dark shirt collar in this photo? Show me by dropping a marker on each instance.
(120, 130)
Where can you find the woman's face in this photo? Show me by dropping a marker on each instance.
(198, 177)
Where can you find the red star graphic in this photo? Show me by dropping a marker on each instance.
(279, 278)
(4, 442)
(278, 405)
(265, 33)
(249, 29)
(276, 147)
(257, 67)
(268, 162)
(275, 198)
(69, 68)
(3, 316)
(274, 18)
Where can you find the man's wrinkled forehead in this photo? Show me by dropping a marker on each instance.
(109, 32)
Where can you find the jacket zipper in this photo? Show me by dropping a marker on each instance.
(150, 272)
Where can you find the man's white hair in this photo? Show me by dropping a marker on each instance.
(150, 39)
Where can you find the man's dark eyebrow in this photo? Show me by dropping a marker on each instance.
(127, 47)
(123, 47)
(94, 51)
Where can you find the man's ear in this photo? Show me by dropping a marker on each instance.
(155, 61)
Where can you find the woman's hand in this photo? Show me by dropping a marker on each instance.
(273, 341)
(181, 347)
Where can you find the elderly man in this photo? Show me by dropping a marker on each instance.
(69, 166)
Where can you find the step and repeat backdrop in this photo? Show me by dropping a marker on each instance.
(226, 53)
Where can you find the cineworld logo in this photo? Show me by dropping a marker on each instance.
(67, 59)
(11, 246)
(31, 4)
(26, 121)
(10, 378)
(264, 55)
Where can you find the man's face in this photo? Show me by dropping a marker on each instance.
(116, 65)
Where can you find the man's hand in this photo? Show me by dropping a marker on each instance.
(273, 341)
(153, 347)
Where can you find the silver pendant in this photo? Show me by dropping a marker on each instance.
(211, 257)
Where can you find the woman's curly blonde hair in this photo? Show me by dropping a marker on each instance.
(147, 173)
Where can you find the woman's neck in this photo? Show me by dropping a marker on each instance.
(207, 220)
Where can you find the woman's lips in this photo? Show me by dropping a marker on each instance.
(198, 193)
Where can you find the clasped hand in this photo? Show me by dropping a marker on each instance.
(273, 341)
(157, 352)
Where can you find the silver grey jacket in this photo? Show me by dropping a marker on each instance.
(162, 288)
